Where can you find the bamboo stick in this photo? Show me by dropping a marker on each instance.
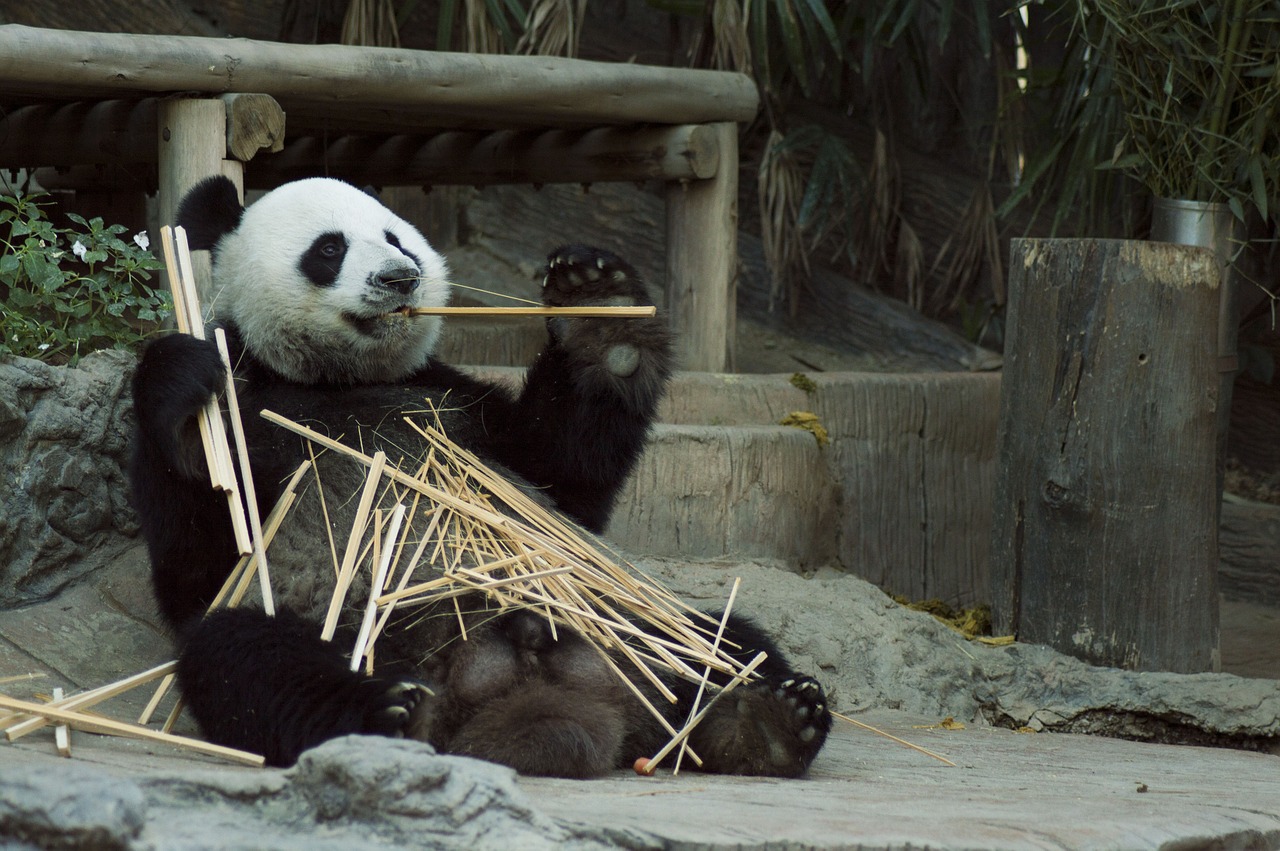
(189, 320)
(246, 475)
(109, 727)
(375, 588)
(599, 312)
(358, 525)
(706, 675)
(92, 698)
(893, 738)
(740, 678)
(61, 733)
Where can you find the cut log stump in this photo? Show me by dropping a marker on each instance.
(1105, 521)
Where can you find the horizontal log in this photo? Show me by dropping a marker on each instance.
(395, 86)
(472, 158)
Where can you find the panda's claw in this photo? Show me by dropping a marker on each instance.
(393, 706)
(578, 275)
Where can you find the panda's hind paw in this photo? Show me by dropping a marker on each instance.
(581, 275)
(806, 703)
(393, 706)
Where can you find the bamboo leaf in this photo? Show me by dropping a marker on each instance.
(982, 21)
(1258, 183)
(793, 42)
(444, 25)
(819, 15)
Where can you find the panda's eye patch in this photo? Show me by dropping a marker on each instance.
(322, 261)
(394, 242)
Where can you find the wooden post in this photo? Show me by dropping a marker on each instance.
(702, 260)
(193, 145)
(1104, 535)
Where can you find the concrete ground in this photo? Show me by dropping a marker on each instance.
(1007, 790)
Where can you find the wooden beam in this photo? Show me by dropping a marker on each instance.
(702, 260)
(191, 136)
(1104, 540)
(255, 122)
(472, 158)
(397, 88)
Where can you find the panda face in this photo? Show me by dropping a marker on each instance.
(314, 277)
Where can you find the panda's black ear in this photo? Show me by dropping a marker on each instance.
(210, 211)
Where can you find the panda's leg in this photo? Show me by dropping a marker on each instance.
(589, 399)
(271, 686)
(545, 706)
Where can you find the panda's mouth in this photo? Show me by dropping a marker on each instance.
(377, 323)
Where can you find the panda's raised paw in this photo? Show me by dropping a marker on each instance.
(581, 275)
(393, 705)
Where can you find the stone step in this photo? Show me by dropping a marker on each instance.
(901, 495)
(706, 491)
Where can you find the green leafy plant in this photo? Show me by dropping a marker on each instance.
(65, 292)
(1200, 83)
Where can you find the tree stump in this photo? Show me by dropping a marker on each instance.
(1104, 529)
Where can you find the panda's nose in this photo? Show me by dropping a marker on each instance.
(403, 280)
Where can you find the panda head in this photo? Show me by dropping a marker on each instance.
(312, 276)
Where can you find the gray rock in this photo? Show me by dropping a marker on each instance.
(871, 653)
(74, 807)
(64, 442)
(356, 793)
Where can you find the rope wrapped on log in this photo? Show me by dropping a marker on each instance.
(120, 132)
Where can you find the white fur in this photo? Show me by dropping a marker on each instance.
(338, 333)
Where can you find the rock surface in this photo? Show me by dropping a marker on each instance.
(64, 442)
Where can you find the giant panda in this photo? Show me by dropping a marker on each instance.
(309, 283)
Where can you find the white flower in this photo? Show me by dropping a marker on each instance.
(142, 240)
(78, 249)
(43, 347)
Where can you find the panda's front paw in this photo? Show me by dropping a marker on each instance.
(175, 379)
(580, 275)
(577, 276)
(392, 706)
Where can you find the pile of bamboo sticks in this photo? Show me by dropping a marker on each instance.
(454, 528)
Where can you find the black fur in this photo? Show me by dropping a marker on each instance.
(510, 692)
(208, 211)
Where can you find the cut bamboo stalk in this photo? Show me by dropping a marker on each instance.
(706, 674)
(893, 738)
(110, 727)
(174, 714)
(246, 475)
(688, 728)
(379, 576)
(378, 462)
(93, 698)
(182, 318)
(61, 733)
(154, 703)
(189, 320)
(588, 311)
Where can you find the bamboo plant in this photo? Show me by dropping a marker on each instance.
(1200, 83)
